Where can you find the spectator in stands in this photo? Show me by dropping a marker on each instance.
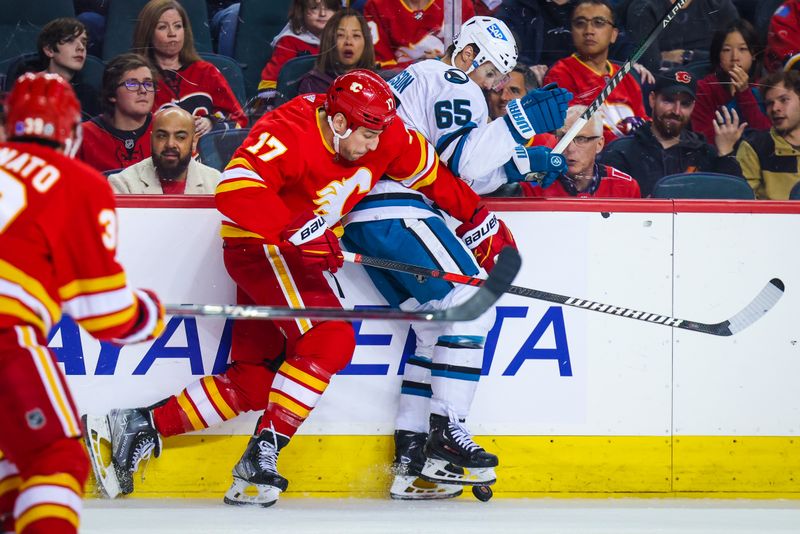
(62, 47)
(585, 177)
(733, 56)
(300, 36)
(92, 14)
(223, 16)
(770, 159)
(688, 37)
(405, 31)
(170, 170)
(346, 44)
(783, 38)
(542, 28)
(666, 146)
(520, 80)
(163, 35)
(120, 136)
(586, 72)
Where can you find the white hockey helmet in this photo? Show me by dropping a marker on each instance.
(493, 38)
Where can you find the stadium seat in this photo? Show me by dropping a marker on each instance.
(87, 83)
(794, 194)
(232, 72)
(122, 17)
(706, 185)
(259, 22)
(216, 148)
(290, 75)
(22, 20)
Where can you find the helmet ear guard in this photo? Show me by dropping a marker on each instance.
(43, 106)
(364, 98)
(494, 40)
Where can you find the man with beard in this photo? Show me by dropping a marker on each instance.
(665, 146)
(770, 160)
(170, 170)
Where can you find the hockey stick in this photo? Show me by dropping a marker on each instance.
(758, 307)
(615, 80)
(491, 289)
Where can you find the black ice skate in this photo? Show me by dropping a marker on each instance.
(409, 459)
(449, 444)
(132, 437)
(258, 469)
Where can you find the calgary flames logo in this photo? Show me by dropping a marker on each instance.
(683, 77)
(339, 196)
(356, 87)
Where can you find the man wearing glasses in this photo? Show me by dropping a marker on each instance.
(585, 177)
(586, 72)
(120, 136)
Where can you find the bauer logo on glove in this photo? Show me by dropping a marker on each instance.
(487, 228)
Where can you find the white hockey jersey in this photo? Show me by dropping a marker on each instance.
(442, 103)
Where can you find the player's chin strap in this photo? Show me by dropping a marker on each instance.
(337, 136)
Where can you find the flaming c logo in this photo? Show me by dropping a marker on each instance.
(356, 87)
(683, 77)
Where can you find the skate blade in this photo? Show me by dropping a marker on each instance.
(439, 471)
(243, 493)
(95, 432)
(411, 488)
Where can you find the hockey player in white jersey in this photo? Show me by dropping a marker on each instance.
(434, 453)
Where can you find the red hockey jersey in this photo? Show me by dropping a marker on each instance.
(285, 168)
(402, 35)
(58, 238)
(609, 183)
(105, 148)
(585, 84)
(202, 90)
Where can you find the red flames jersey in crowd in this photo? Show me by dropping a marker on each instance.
(585, 84)
(105, 148)
(610, 183)
(285, 168)
(202, 90)
(402, 35)
(58, 236)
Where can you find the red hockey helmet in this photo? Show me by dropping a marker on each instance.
(363, 97)
(44, 106)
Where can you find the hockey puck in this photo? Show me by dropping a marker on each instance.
(482, 493)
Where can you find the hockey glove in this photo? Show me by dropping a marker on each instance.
(486, 236)
(628, 125)
(149, 321)
(315, 243)
(539, 111)
(531, 163)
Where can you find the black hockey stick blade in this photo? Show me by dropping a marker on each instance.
(507, 267)
(758, 307)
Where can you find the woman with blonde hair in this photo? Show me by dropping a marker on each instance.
(164, 35)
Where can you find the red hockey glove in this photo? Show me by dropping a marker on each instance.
(317, 245)
(150, 321)
(486, 236)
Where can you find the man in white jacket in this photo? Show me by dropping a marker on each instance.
(170, 170)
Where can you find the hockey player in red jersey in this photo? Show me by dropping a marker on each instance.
(303, 166)
(58, 237)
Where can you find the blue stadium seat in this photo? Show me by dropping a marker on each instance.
(216, 148)
(763, 15)
(706, 185)
(290, 75)
(22, 20)
(794, 194)
(232, 72)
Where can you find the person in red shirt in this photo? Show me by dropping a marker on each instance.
(120, 136)
(585, 178)
(301, 169)
(163, 35)
(300, 36)
(733, 52)
(405, 31)
(586, 72)
(58, 239)
(783, 38)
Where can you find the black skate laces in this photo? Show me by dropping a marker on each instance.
(460, 433)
